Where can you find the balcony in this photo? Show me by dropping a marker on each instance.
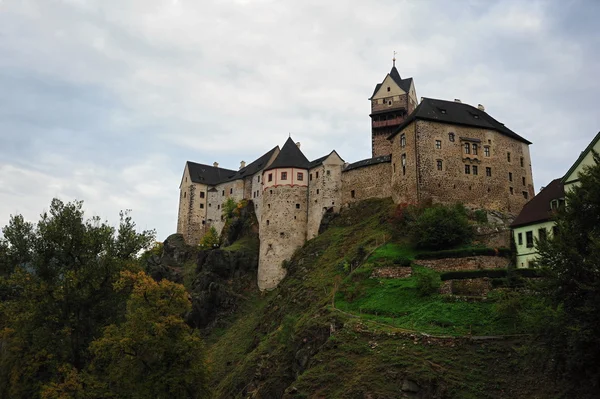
(389, 122)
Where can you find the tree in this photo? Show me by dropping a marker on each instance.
(210, 240)
(154, 353)
(571, 264)
(57, 291)
(441, 227)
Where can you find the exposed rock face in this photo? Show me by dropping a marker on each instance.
(168, 265)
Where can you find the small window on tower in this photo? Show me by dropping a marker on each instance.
(317, 175)
(388, 88)
(467, 148)
(525, 195)
(270, 176)
(258, 178)
(352, 194)
(488, 172)
(486, 151)
(184, 194)
(522, 162)
(475, 171)
(328, 172)
(509, 176)
(438, 144)
(508, 156)
(283, 175)
(310, 177)
(451, 137)
(201, 206)
(524, 181)
(268, 223)
(403, 140)
(440, 165)
(201, 194)
(474, 149)
(231, 191)
(297, 206)
(467, 169)
(223, 193)
(300, 176)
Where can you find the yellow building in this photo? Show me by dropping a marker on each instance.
(585, 159)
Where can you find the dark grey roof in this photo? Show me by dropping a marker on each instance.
(205, 174)
(290, 156)
(404, 84)
(369, 162)
(319, 161)
(456, 113)
(254, 167)
(538, 209)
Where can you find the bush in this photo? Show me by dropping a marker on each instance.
(229, 207)
(402, 261)
(428, 282)
(480, 216)
(464, 252)
(441, 227)
(210, 239)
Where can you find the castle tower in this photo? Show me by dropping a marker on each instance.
(284, 215)
(392, 101)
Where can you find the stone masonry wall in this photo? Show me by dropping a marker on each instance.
(452, 184)
(404, 177)
(380, 145)
(468, 263)
(366, 182)
(325, 192)
(192, 212)
(282, 230)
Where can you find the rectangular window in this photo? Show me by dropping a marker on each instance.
(529, 239)
(231, 191)
(467, 169)
(201, 194)
(525, 195)
(328, 172)
(317, 191)
(488, 172)
(508, 156)
(270, 177)
(522, 162)
(511, 191)
(451, 137)
(353, 194)
(438, 144)
(403, 141)
(509, 176)
(218, 206)
(404, 164)
(439, 165)
(474, 149)
(467, 148)
(297, 206)
(300, 176)
(317, 175)
(258, 178)
(524, 181)
(394, 167)
(475, 171)
(201, 206)
(520, 238)
(310, 177)
(283, 175)
(486, 151)
(223, 193)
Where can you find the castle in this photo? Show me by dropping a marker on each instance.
(432, 150)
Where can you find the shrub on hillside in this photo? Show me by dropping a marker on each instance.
(428, 282)
(402, 261)
(210, 239)
(480, 216)
(441, 227)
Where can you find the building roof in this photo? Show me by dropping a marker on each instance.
(205, 174)
(452, 112)
(581, 156)
(254, 167)
(319, 161)
(290, 156)
(368, 162)
(538, 209)
(404, 84)
(210, 175)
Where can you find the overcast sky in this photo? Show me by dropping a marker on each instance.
(105, 100)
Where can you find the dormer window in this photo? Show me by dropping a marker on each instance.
(442, 110)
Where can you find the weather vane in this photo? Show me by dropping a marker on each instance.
(394, 59)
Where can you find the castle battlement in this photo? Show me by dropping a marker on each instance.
(435, 150)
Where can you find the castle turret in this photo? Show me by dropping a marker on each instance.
(283, 220)
(392, 101)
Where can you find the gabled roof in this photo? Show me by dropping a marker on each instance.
(290, 156)
(456, 113)
(319, 161)
(581, 156)
(404, 84)
(538, 209)
(205, 174)
(368, 162)
(256, 166)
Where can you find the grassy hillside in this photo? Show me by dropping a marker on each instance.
(330, 331)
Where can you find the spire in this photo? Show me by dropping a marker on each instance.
(394, 60)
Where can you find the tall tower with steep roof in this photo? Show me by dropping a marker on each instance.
(392, 101)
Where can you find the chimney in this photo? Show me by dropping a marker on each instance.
(457, 100)
(298, 144)
(216, 164)
(242, 165)
(480, 107)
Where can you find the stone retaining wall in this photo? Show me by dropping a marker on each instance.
(468, 263)
(467, 287)
(392, 272)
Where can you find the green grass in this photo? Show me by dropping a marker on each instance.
(392, 251)
(398, 303)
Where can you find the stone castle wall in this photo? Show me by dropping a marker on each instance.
(324, 194)
(191, 218)
(453, 184)
(282, 226)
(404, 187)
(366, 182)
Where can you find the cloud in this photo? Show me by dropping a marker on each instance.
(105, 100)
